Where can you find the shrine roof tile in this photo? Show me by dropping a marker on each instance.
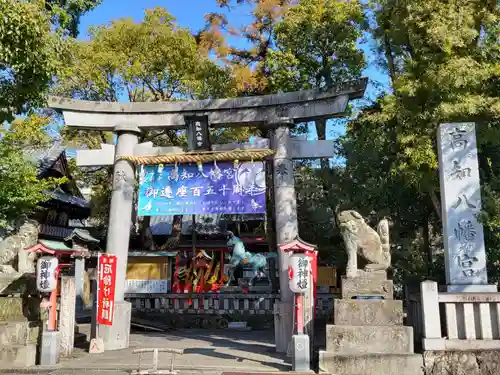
(44, 158)
(83, 235)
(152, 254)
(55, 245)
(60, 195)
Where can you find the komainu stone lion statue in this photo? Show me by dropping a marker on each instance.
(360, 239)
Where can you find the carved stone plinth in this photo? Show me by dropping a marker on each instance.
(367, 312)
(370, 364)
(369, 339)
(366, 286)
(368, 336)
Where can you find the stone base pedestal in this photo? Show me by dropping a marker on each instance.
(116, 337)
(18, 356)
(283, 325)
(366, 286)
(369, 339)
(50, 348)
(18, 344)
(371, 364)
(301, 359)
(368, 336)
(367, 312)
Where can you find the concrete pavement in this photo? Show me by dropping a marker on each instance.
(205, 352)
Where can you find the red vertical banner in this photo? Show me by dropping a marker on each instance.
(106, 293)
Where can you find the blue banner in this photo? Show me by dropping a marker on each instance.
(211, 188)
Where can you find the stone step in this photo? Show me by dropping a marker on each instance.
(18, 333)
(371, 364)
(258, 373)
(353, 312)
(18, 355)
(369, 339)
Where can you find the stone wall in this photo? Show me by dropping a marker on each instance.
(484, 362)
(21, 309)
(12, 244)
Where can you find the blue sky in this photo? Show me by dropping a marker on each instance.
(190, 13)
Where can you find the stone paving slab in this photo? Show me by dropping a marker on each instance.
(205, 352)
(66, 372)
(208, 349)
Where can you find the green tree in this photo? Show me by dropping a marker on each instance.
(151, 60)
(32, 41)
(31, 46)
(20, 189)
(316, 48)
(249, 63)
(28, 50)
(66, 14)
(316, 45)
(443, 60)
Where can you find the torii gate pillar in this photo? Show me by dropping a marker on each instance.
(285, 214)
(117, 335)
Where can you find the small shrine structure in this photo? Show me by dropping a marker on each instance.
(66, 201)
(79, 252)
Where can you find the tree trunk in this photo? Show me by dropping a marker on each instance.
(426, 239)
(321, 131)
(390, 58)
(435, 203)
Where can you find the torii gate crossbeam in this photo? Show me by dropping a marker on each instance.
(297, 106)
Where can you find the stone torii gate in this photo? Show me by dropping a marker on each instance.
(127, 120)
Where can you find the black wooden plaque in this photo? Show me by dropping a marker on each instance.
(198, 134)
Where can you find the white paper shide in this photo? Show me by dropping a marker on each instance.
(465, 256)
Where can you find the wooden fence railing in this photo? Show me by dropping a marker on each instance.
(210, 303)
(471, 321)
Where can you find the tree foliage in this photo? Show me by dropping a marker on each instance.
(32, 41)
(27, 61)
(66, 13)
(21, 189)
(151, 60)
(316, 46)
(443, 61)
(249, 63)
(32, 44)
